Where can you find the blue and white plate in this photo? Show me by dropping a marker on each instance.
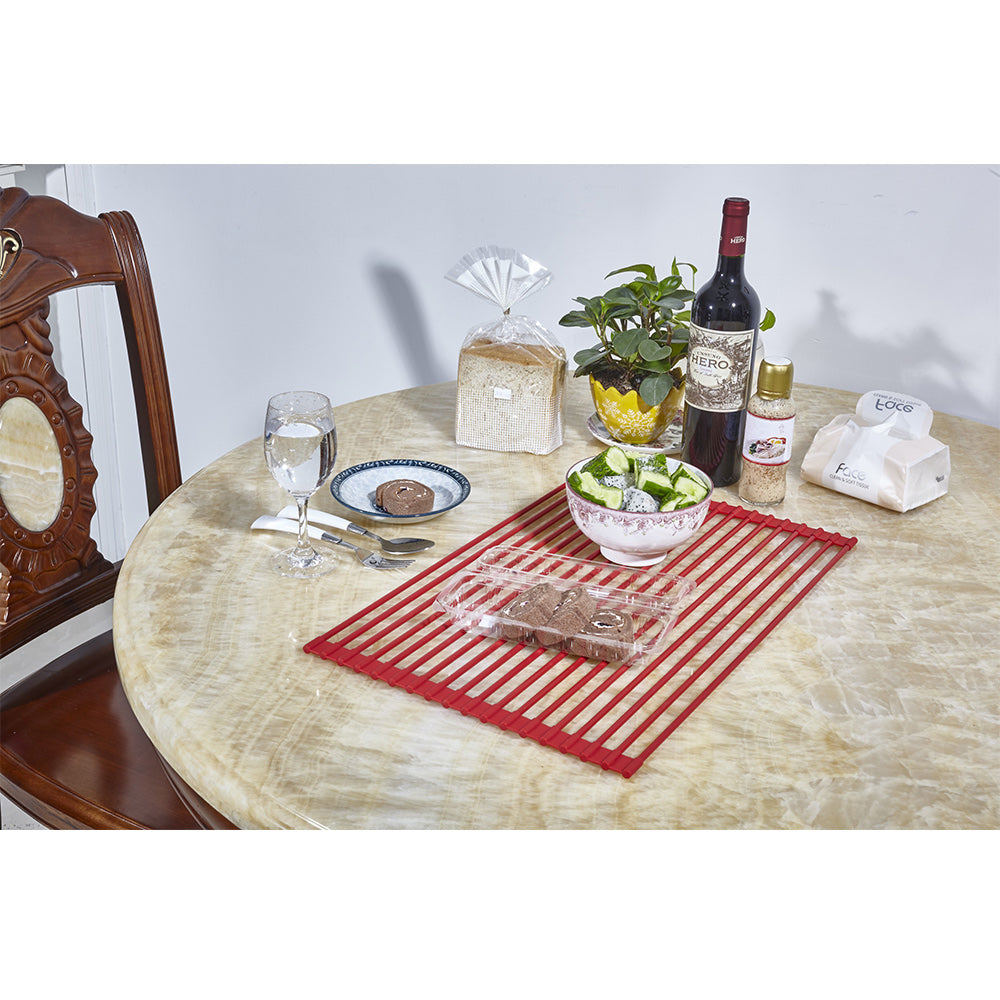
(355, 487)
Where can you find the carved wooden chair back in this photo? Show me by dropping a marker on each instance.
(46, 470)
(72, 753)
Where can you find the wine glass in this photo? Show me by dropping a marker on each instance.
(300, 448)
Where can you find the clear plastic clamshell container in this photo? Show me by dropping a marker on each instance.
(598, 610)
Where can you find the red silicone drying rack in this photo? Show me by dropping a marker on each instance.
(751, 569)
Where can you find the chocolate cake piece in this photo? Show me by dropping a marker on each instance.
(534, 607)
(571, 614)
(404, 496)
(607, 635)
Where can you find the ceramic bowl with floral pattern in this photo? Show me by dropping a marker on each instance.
(637, 538)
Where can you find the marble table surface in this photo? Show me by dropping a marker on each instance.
(876, 704)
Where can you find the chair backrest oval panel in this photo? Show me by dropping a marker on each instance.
(31, 474)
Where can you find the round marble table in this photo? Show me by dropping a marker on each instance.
(876, 704)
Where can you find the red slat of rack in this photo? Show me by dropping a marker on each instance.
(433, 583)
(663, 705)
(563, 724)
(628, 765)
(716, 609)
(458, 699)
(406, 642)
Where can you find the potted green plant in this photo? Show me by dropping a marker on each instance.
(635, 370)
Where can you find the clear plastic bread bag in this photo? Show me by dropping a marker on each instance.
(511, 372)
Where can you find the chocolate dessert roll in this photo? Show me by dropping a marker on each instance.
(572, 613)
(607, 635)
(404, 496)
(519, 618)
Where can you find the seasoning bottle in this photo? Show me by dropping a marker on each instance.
(767, 439)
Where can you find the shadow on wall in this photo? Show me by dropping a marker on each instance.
(407, 323)
(920, 364)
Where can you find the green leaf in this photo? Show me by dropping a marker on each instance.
(590, 354)
(586, 369)
(650, 350)
(627, 342)
(657, 367)
(648, 270)
(669, 364)
(621, 294)
(655, 388)
(768, 321)
(577, 318)
(589, 359)
(670, 302)
(683, 317)
(644, 291)
(675, 268)
(621, 314)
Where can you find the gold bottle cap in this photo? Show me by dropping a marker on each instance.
(774, 380)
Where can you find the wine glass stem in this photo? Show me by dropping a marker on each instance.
(304, 548)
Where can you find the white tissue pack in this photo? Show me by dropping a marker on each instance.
(882, 453)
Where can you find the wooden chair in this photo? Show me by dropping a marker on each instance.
(72, 753)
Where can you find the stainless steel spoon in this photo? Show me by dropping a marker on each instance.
(371, 559)
(397, 545)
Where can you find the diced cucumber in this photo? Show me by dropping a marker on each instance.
(685, 483)
(586, 484)
(695, 491)
(672, 503)
(611, 462)
(656, 483)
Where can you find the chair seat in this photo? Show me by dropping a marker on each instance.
(73, 755)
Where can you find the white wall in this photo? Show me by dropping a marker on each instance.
(331, 277)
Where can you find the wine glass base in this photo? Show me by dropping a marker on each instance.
(289, 563)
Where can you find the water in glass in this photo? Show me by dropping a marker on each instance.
(300, 448)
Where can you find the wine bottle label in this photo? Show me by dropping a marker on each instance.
(768, 440)
(718, 369)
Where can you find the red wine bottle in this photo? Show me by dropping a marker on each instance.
(724, 319)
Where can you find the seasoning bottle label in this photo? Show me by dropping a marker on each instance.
(768, 440)
(718, 369)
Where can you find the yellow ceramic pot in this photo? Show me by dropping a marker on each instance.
(628, 418)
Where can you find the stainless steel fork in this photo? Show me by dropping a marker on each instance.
(371, 559)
